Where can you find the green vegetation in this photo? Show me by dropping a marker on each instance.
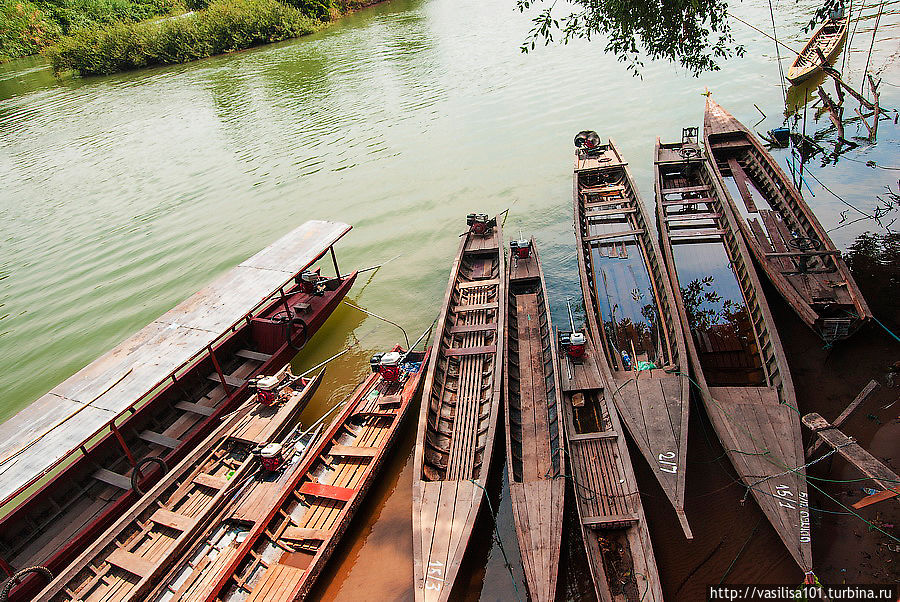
(27, 26)
(223, 26)
(94, 37)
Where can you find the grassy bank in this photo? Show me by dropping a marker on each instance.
(219, 27)
(223, 26)
(27, 26)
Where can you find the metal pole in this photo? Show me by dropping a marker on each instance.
(337, 272)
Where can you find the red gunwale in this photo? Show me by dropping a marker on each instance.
(286, 295)
(301, 588)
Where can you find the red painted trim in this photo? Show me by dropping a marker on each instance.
(331, 492)
(67, 553)
(326, 440)
(225, 385)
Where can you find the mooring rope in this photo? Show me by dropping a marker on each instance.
(778, 53)
(497, 537)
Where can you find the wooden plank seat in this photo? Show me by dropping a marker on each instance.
(463, 328)
(606, 203)
(464, 351)
(603, 189)
(685, 189)
(160, 439)
(253, 355)
(173, 520)
(697, 201)
(474, 307)
(389, 400)
(374, 414)
(694, 233)
(195, 408)
(588, 436)
(208, 480)
(303, 533)
(477, 283)
(675, 217)
(353, 451)
(132, 563)
(610, 235)
(605, 212)
(630, 517)
(113, 478)
(804, 253)
(331, 492)
(232, 381)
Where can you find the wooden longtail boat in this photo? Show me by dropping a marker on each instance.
(613, 525)
(137, 550)
(274, 548)
(67, 460)
(827, 39)
(631, 314)
(738, 360)
(534, 441)
(794, 250)
(458, 417)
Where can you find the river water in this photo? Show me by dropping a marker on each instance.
(122, 195)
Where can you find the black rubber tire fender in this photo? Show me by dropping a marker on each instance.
(19, 575)
(134, 473)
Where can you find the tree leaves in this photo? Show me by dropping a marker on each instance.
(693, 33)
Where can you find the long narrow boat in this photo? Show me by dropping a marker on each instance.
(827, 39)
(274, 547)
(794, 250)
(613, 525)
(631, 314)
(458, 417)
(736, 354)
(67, 460)
(534, 441)
(132, 555)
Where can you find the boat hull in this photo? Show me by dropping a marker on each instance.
(534, 441)
(459, 413)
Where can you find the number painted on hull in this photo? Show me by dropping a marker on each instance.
(434, 580)
(666, 463)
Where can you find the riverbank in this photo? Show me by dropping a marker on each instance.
(221, 27)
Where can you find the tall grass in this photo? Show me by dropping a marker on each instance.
(27, 26)
(224, 26)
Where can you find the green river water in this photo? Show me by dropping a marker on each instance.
(122, 195)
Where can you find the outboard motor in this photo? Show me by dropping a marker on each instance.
(480, 224)
(309, 282)
(266, 389)
(387, 365)
(587, 140)
(573, 344)
(521, 248)
(272, 456)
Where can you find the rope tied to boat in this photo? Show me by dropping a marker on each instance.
(496, 536)
(794, 470)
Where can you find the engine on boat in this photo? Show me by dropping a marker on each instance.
(269, 388)
(587, 139)
(573, 344)
(271, 455)
(521, 248)
(480, 223)
(387, 365)
(309, 282)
